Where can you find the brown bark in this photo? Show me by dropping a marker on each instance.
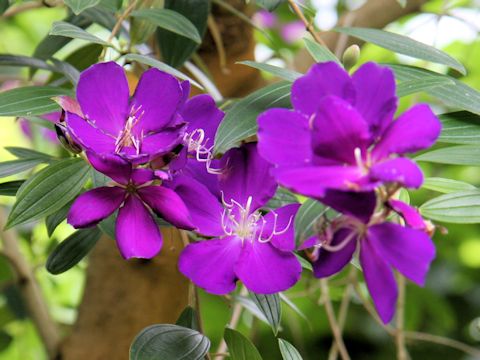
(374, 14)
(122, 297)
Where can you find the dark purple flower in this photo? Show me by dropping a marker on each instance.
(135, 193)
(341, 134)
(138, 129)
(383, 246)
(249, 244)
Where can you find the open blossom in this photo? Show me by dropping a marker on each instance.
(341, 134)
(135, 193)
(138, 129)
(382, 245)
(249, 244)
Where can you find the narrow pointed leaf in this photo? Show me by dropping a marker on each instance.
(319, 52)
(62, 28)
(271, 307)
(177, 49)
(403, 45)
(414, 86)
(170, 20)
(24, 153)
(453, 155)
(239, 346)
(458, 95)
(188, 319)
(78, 6)
(30, 100)
(13, 167)
(288, 351)
(53, 220)
(10, 188)
(240, 120)
(307, 216)
(20, 60)
(459, 207)
(446, 185)
(48, 190)
(269, 5)
(73, 249)
(147, 60)
(167, 341)
(460, 127)
(285, 74)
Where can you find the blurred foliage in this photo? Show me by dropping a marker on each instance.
(449, 305)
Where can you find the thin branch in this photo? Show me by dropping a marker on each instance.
(217, 39)
(337, 334)
(418, 336)
(30, 290)
(232, 324)
(342, 313)
(121, 18)
(14, 10)
(308, 24)
(402, 353)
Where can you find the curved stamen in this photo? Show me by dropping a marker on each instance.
(338, 247)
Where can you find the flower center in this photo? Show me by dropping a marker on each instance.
(196, 143)
(240, 221)
(126, 138)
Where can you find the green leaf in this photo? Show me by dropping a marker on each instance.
(170, 20)
(453, 155)
(70, 72)
(20, 60)
(281, 198)
(62, 28)
(288, 351)
(460, 127)
(48, 190)
(240, 120)
(306, 219)
(458, 95)
(30, 100)
(459, 207)
(319, 52)
(414, 86)
(78, 6)
(271, 307)
(10, 188)
(4, 5)
(269, 5)
(53, 220)
(292, 306)
(103, 17)
(240, 347)
(446, 185)
(250, 306)
(166, 341)
(188, 319)
(177, 49)
(305, 263)
(282, 73)
(147, 60)
(24, 153)
(13, 167)
(403, 45)
(72, 250)
(51, 44)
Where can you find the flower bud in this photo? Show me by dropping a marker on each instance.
(350, 56)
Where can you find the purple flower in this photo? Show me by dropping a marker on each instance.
(249, 244)
(292, 31)
(383, 246)
(341, 134)
(265, 19)
(135, 193)
(138, 129)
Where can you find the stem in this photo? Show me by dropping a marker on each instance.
(217, 39)
(402, 353)
(418, 336)
(337, 334)
(232, 324)
(14, 10)
(30, 290)
(342, 314)
(308, 25)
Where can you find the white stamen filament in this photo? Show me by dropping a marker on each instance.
(246, 225)
(202, 153)
(126, 138)
(338, 247)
